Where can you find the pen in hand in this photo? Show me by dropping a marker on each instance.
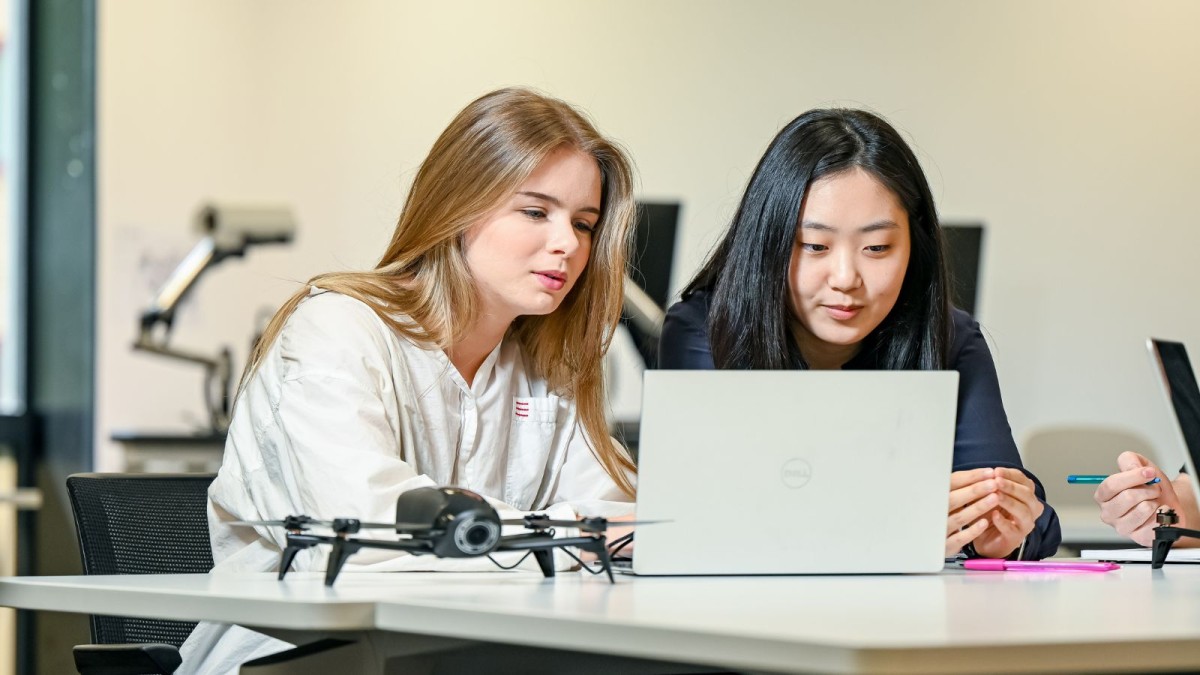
(1092, 480)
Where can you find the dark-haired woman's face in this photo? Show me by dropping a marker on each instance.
(848, 262)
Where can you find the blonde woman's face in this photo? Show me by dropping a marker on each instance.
(528, 254)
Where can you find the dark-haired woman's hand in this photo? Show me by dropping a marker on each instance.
(1014, 517)
(972, 497)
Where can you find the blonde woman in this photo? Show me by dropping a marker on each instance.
(470, 356)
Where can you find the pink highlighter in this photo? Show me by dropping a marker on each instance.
(998, 565)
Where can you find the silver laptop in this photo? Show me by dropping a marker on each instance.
(794, 472)
(1179, 384)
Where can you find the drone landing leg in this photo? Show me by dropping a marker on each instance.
(545, 560)
(1162, 546)
(1167, 534)
(295, 544)
(598, 546)
(605, 560)
(1164, 538)
(342, 550)
(285, 561)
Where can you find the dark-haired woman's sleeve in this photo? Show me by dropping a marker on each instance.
(983, 437)
(684, 341)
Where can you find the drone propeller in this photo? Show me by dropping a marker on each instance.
(403, 528)
(289, 523)
(347, 525)
(539, 521)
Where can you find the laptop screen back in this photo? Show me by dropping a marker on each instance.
(794, 472)
(1184, 394)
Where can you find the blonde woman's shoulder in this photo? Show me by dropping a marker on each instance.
(329, 307)
(336, 326)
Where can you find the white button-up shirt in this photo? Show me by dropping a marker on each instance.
(343, 415)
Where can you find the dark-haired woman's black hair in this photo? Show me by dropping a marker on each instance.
(750, 316)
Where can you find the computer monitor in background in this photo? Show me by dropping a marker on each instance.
(964, 249)
(1179, 384)
(650, 265)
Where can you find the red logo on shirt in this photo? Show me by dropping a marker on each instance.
(522, 408)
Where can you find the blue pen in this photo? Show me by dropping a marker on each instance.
(1099, 479)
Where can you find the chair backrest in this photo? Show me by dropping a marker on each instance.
(141, 524)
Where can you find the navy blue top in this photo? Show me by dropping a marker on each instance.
(982, 437)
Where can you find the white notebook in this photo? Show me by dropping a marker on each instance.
(1176, 555)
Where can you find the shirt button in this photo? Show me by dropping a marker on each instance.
(470, 403)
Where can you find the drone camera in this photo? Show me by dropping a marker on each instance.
(470, 536)
(470, 524)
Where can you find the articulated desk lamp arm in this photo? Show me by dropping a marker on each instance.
(226, 232)
(643, 311)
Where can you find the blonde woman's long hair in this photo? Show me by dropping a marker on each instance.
(480, 160)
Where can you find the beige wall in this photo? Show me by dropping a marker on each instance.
(1067, 127)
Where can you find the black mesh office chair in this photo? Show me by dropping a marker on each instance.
(139, 524)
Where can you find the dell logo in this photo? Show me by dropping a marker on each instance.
(796, 473)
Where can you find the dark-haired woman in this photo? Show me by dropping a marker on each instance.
(835, 260)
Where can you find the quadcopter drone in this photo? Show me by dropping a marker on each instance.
(446, 522)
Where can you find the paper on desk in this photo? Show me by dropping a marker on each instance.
(1176, 555)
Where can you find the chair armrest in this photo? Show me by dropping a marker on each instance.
(134, 659)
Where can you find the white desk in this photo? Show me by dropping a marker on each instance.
(1130, 620)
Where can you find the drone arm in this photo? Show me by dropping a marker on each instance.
(413, 546)
(597, 546)
(541, 521)
(540, 542)
(543, 544)
(527, 541)
(343, 548)
(536, 540)
(1164, 537)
